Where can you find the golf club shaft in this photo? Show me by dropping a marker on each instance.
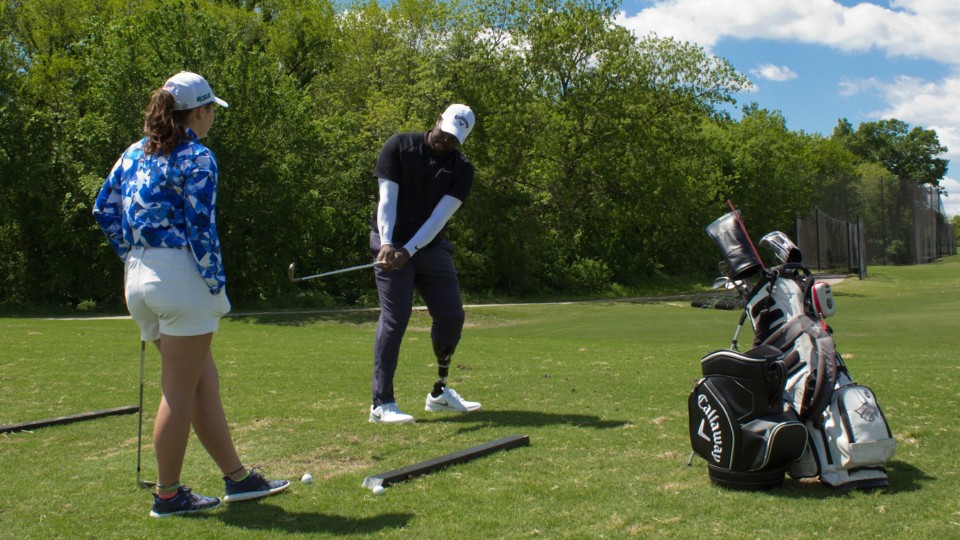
(736, 333)
(332, 272)
(143, 355)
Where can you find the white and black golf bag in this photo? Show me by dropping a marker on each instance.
(848, 440)
(738, 422)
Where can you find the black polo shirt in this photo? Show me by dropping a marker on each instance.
(424, 178)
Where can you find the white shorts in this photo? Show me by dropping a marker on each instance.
(165, 294)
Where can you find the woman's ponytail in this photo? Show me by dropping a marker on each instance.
(163, 127)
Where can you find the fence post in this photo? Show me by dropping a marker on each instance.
(883, 224)
(862, 256)
(816, 216)
(849, 250)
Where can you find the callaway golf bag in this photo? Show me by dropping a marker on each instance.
(738, 422)
(848, 440)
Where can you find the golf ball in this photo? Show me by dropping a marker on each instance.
(378, 490)
(307, 478)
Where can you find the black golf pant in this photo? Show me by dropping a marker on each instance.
(431, 273)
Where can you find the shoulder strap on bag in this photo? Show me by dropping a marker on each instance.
(823, 381)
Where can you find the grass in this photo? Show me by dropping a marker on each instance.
(600, 388)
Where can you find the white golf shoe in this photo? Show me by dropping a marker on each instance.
(388, 413)
(450, 400)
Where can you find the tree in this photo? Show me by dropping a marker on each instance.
(600, 155)
(910, 154)
(764, 168)
(834, 178)
(598, 118)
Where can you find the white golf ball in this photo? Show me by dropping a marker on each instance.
(307, 478)
(378, 490)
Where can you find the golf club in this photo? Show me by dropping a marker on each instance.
(143, 355)
(291, 270)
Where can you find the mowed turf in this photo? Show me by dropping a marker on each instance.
(600, 388)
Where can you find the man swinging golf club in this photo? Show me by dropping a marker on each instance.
(423, 180)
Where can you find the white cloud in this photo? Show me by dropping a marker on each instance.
(921, 29)
(921, 101)
(912, 28)
(930, 7)
(774, 73)
(931, 105)
(852, 87)
(951, 202)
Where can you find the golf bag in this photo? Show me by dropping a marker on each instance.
(848, 440)
(738, 423)
(778, 312)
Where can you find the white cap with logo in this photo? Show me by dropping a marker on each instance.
(191, 91)
(458, 121)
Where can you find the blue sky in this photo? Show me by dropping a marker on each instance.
(817, 61)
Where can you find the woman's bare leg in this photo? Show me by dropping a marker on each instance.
(210, 422)
(183, 362)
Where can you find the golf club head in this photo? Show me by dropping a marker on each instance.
(722, 282)
(782, 247)
(290, 272)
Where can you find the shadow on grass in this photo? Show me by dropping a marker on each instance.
(256, 516)
(903, 478)
(304, 318)
(483, 419)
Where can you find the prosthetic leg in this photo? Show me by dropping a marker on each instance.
(442, 398)
(444, 354)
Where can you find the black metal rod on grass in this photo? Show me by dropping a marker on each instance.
(26, 426)
(425, 467)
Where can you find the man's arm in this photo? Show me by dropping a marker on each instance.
(442, 213)
(427, 232)
(386, 219)
(387, 209)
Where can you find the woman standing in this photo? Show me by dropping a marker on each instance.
(158, 210)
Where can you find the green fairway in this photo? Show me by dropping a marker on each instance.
(600, 388)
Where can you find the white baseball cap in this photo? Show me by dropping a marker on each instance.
(458, 121)
(191, 91)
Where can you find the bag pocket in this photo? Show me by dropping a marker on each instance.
(773, 441)
(857, 428)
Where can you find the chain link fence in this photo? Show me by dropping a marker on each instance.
(832, 245)
(907, 224)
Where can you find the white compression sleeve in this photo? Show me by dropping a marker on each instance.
(387, 209)
(432, 226)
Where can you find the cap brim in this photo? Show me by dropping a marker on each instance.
(220, 102)
(456, 131)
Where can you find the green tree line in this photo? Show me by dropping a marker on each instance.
(600, 156)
